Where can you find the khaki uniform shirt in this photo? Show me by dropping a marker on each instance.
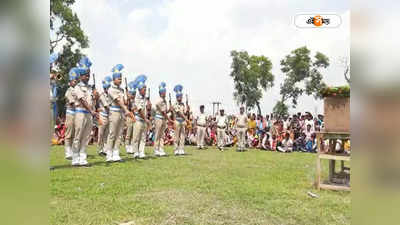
(179, 107)
(242, 120)
(140, 104)
(83, 91)
(161, 106)
(115, 92)
(105, 101)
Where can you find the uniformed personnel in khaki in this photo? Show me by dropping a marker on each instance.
(130, 103)
(84, 110)
(201, 125)
(221, 125)
(104, 127)
(160, 120)
(241, 125)
(70, 112)
(180, 121)
(116, 119)
(142, 123)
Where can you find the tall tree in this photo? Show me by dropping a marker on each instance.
(302, 75)
(251, 75)
(280, 109)
(67, 36)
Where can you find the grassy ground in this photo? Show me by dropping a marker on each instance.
(203, 187)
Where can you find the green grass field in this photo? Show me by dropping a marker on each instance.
(202, 187)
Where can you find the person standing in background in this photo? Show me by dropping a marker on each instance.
(241, 124)
(201, 124)
(221, 125)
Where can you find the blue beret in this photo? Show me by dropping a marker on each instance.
(141, 81)
(132, 87)
(116, 70)
(178, 90)
(116, 75)
(85, 63)
(108, 79)
(162, 88)
(73, 73)
(82, 71)
(106, 84)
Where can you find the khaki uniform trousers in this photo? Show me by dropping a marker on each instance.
(70, 129)
(221, 137)
(201, 132)
(139, 136)
(179, 141)
(83, 126)
(116, 123)
(104, 129)
(129, 131)
(241, 138)
(160, 126)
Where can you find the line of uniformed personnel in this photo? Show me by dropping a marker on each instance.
(117, 109)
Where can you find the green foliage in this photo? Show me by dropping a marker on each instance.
(341, 91)
(281, 109)
(66, 34)
(65, 25)
(300, 68)
(251, 75)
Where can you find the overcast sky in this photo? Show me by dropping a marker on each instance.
(189, 42)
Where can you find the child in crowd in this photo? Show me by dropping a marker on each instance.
(286, 145)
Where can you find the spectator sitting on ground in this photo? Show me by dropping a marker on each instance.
(228, 139)
(265, 143)
(300, 143)
(287, 144)
(273, 142)
(311, 145)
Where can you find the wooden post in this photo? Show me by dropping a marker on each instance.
(318, 172)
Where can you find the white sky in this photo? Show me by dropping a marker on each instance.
(189, 42)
